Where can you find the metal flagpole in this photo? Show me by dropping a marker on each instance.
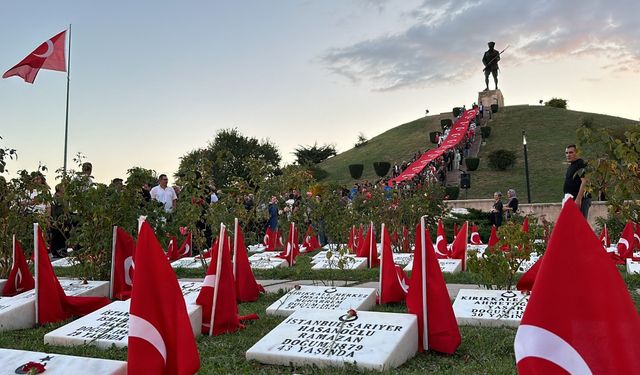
(66, 120)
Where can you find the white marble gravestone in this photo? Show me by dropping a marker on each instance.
(479, 248)
(267, 264)
(108, 326)
(350, 263)
(65, 262)
(19, 312)
(446, 266)
(256, 248)
(190, 290)
(311, 298)
(527, 264)
(402, 259)
(633, 266)
(57, 364)
(489, 307)
(264, 255)
(371, 340)
(190, 262)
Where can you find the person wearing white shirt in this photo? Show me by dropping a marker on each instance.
(164, 194)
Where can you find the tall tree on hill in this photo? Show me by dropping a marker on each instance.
(226, 157)
(311, 155)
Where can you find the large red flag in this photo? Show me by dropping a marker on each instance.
(311, 240)
(49, 55)
(459, 246)
(589, 325)
(247, 288)
(604, 237)
(368, 248)
(172, 249)
(391, 284)
(352, 243)
(52, 304)
(493, 238)
(122, 264)
(428, 299)
(20, 279)
(291, 248)
(161, 339)
(218, 294)
(441, 242)
(626, 241)
(475, 236)
(525, 225)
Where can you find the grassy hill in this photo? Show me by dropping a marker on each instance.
(548, 131)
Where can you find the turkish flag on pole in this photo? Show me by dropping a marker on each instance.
(428, 298)
(247, 288)
(493, 238)
(122, 265)
(441, 242)
(20, 279)
(604, 237)
(525, 284)
(525, 225)
(589, 325)
(626, 241)
(52, 304)
(392, 285)
(49, 55)
(459, 246)
(352, 243)
(291, 248)
(311, 240)
(475, 236)
(218, 294)
(185, 248)
(161, 340)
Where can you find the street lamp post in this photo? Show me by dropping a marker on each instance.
(526, 165)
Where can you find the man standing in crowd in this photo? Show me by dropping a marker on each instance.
(575, 181)
(273, 214)
(164, 194)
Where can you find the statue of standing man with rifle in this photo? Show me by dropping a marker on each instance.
(490, 61)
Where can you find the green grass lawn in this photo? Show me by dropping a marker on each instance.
(548, 131)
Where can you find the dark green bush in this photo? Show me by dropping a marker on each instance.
(452, 192)
(456, 111)
(446, 123)
(381, 168)
(472, 163)
(356, 170)
(500, 160)
(557, 103)
(432, 137)
(494, 108)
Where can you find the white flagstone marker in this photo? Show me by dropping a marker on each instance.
(633, 266)
(481, 307)
(11, 361)
(312, 298)
(370, 340)
(350, 263)
(446, 266)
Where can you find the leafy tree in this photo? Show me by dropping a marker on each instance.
(10, 153)
(557, 103)
(311, 155)
(362, 140)
(227, 157)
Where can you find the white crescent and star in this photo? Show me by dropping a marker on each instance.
(48, 52)
(534, 341)
(128, 265)
(142, 329)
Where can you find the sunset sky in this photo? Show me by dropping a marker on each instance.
(152, 80)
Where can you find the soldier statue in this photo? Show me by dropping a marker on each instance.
(490, 61)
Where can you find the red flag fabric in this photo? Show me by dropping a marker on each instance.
(604, 237)
(390, 283)
(367, 248)
(625, 243)
(405, 240)
(475, 236)
(428, 299)
(161, 339)
(20, 279)
(590, 324)
(359, 239)
(52, 304)
(459, 246)
(123, 265)
(636, 237)
(291, 249)
(525, 225)
(493, 238)
(311, 240)
(49, 55)
(185, 249)
(172, 249)
(441, 242)
(218, 294)
(247, 288)
(525, 284)
(363, 244)
(352, 243)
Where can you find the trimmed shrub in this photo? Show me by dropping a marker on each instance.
(485, 131)
(381, 168)
(446, 123)
(557, 103)
(356, 170)
(494, 108)
(452, 192)
(500, 160)
(432, 137)
(456, 111)
(472, 163)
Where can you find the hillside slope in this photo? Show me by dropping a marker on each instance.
(548, 131)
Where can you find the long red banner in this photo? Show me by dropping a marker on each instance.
(456, 135)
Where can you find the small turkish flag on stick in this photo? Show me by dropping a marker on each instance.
(49, 55)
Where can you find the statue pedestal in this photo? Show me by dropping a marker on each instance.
(486, 98)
